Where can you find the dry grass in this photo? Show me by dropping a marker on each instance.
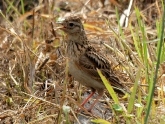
(35, 86)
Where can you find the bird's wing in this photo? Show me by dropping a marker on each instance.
(89, 63)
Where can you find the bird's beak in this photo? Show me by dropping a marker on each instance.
(61, 28)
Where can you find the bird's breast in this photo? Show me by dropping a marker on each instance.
(74, 49)
(83, 77)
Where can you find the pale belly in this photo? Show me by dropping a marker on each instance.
(83, 78)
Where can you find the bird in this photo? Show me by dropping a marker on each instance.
(84, 60)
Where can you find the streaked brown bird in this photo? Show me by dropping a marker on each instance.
(84, 60)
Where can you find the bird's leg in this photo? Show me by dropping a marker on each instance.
(100, 92)
(93, 92)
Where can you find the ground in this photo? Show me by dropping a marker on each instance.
(35, 84)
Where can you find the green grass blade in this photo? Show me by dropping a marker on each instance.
(151, 92)
(109, 87)
(136, 41)
(22, 6)
(144, 46)
(133, 94)
(100, 121)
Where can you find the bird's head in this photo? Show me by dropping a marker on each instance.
(72, 25)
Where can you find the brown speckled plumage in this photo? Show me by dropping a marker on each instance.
(83, 59)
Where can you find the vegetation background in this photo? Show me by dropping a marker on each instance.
(35, 86)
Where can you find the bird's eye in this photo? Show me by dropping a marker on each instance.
(71, 24)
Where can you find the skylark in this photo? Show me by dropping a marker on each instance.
(84, 60)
